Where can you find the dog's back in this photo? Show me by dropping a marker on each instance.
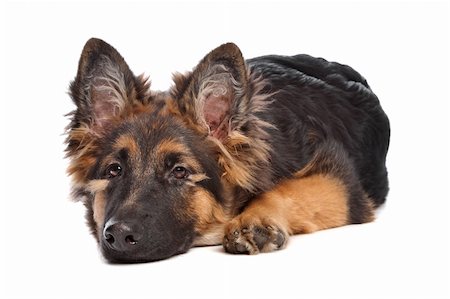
(349, 114)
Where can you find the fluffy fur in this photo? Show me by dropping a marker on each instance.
(239, 153)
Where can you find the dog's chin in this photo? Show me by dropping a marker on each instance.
(113, 258)
(143, 255)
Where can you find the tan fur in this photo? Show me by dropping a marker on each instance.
(173, 146)
(79, 168)
(170, 146)
(211, 218)
(301, 205)
(238, 157)
(95, 186)
(129, 143)
(318, 202)
(99, 210)
(196, 178)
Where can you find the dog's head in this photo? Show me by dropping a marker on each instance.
(152, 167)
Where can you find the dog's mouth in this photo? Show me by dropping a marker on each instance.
(144, 251)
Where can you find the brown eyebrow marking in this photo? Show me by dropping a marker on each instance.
(172, 146)
(129, 143)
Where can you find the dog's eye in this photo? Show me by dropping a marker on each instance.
(179, 172)
(113, 171)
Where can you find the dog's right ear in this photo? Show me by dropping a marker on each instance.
(104, 86)
(103, 91)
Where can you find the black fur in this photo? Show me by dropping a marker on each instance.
(311, 117)
(335, 104)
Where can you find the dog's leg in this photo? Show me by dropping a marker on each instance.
(297, 205)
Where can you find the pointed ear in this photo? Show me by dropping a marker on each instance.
(214, 90)
(104, 85)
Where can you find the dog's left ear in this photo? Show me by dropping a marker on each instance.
(212, 94)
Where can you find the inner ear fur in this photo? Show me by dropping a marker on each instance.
(104, 85)
(215, 88)
(103, 89)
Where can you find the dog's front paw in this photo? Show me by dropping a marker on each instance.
(252, 236)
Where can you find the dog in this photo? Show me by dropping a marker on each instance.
(242, 153)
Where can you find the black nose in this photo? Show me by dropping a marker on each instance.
(122, 235)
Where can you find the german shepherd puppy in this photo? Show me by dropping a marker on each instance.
(238, 152)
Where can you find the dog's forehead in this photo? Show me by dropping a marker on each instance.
(148, 132)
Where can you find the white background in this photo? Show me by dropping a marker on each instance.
(402, 48)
